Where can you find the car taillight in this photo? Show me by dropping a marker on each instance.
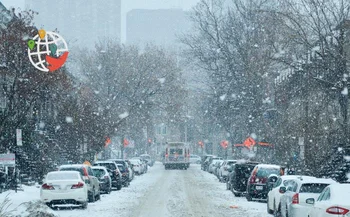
(252, 179)
(295, 199)
(47, 187)
(253, 176)
(79, 185)
(337, 210)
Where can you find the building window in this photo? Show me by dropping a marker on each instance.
(164, 130)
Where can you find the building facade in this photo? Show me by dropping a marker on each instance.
(81, 22)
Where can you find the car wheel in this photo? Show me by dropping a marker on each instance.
(249, 197)
(92, 196)
(237, 194)
(119, 187)
(269, 211)
(84, 205)
(98, 196)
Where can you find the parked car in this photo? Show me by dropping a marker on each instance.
(293, 201)
(125, 175)
(88, 177)
(137, 166)
(104, 178)
(238, 177)
(333, 201)
(195, 159)
(148, 159)
(25, 179)
(217, 167)
(127, 165)
(212, 164)
(131, 170)
(274, 195)
(257, 183)
(123, 162)
(114, 172)
(223, 171)
(205, 161)
(144, 166)
(64, 187)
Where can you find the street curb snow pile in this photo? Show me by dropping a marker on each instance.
(33, 209)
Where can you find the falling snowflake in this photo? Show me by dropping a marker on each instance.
(123, 115)
(41, 125)
(345, 91)
(69, 119)
(347, 158)
(222, 98)
(161, 80)
(99, 67)
(340, 149)
(254, 136)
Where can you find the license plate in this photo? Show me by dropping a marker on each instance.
(259, 187)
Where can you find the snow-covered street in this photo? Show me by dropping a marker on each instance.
(160, 192)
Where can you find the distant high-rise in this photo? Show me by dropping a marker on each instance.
(81, 22)
(160, 27)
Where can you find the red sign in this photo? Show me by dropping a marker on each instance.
(125, 142)
(201, 144)
(224, 144)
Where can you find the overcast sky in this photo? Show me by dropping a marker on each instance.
(127, 5)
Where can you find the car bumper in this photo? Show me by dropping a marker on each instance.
(104, 186)
(296, 210)
(257, 191)
(78, 195)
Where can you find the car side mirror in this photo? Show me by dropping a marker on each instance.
(310, 201)
(282, 189)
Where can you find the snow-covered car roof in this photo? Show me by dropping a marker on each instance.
(73, 165)
(105, 161)
(272, 166)
(301, 177)
(340, 193)
(99, 167)
(312, 180)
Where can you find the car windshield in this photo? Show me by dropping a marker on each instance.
(178, 151)
(312, 188)
(110, 166)
(176, 86)
(61, 176)
(98, 172)
(265, 172)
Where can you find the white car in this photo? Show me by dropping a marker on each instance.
(293, 200)
(64, 187)
(137, 166)
(195, 159)
(223, 171)
(212, 165)
(333, 201)
(274, 195)
(88, 177)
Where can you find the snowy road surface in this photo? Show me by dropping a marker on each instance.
(168, 193)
